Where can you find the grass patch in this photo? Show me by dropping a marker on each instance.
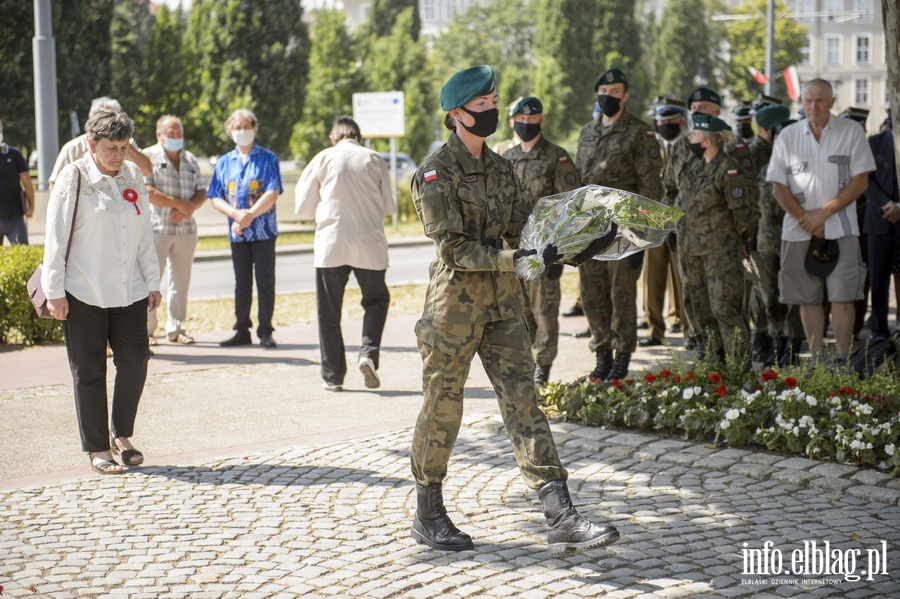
(220, 242)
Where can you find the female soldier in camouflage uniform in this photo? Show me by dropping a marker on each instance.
(717, 225)
(469, 202)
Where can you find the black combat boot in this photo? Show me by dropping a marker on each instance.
(781, 349)
(619, 368)
(432, 526)
(570, 531)
(792, 352)
(541, 374)
(762, 349)
(604, 365)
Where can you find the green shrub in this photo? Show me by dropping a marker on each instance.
(18, 321)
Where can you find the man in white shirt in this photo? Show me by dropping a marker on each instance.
(818, 169)
(347, 189)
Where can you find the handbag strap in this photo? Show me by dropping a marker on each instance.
(74, 214)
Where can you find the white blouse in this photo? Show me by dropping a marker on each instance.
(113, 260)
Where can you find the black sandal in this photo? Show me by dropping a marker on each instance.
(102, 466)
(129, 457)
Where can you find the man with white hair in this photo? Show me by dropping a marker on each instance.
(818, 169)
(75, 148)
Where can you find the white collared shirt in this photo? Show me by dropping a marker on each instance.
(113, 260)
(347, 188)
(816, 171)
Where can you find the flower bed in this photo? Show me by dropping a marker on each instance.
(822, 415)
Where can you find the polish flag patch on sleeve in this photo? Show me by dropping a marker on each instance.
(430, 175)
(651, 135)
(732, 172)
(563, 159)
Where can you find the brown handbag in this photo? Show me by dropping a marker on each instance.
(35, 291)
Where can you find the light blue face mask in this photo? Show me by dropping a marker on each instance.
(173, 145)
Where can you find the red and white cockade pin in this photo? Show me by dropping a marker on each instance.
(131, 196)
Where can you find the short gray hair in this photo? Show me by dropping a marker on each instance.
(168, 117)
(106, 124)
(241, 113)
(823, 83)
(106, 104)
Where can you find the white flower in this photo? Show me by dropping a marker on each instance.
(732, 414)
(811, 400)
(724, 424)
(864, 409)
(889, 449)
(855, 444)
(796, 431)
(687, 393)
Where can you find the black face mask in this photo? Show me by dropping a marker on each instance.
(696, 149)
(745, 130)
(669, 131)
(527, 131)
(485, 122)
(608, 104)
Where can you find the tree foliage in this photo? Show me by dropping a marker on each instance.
(748, 48)
(129, 31)
(383, 15)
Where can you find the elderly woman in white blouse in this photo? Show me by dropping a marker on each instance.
(104, 290)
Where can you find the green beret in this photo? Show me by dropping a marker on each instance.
(704, 94)
(611, 76)
(705, 122)
(465, 85)
(527, 105)
(770, 115)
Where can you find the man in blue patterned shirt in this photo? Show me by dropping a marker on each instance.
(245, 186)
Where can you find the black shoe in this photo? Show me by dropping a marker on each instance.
(573, 311)
(644, 326)
(541, 374)
(570, 531)
(619, 368)
(691, 343)
(267, 342)
(432, 526)
(650, 342)
(604, 365)
(675, 329)
(582, 334)
(240, 338)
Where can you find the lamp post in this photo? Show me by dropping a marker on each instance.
(45, 101)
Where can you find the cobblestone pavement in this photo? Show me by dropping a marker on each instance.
(332, 520)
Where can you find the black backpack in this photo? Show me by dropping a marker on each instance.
(875, 355)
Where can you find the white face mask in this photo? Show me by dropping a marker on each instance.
(243, 137)
(172, 144)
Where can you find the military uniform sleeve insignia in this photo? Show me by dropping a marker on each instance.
(651, 135)
(430, 176)
(563, 159)
(570, 179)
(732, 172)
(737, 193)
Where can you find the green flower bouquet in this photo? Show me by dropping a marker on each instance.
(574, 219)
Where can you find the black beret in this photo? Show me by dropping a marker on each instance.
(704, 94)
(611, 76)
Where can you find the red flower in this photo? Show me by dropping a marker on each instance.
(650, 378)
(616, 383)
(715, 378)
(791, 382)
(677, 379)
(665, 373)
(690, 375)
(629, 381)
(769, 375)
(131, 196)
(720, 390)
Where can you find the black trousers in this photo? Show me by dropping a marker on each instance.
(883, 251)
(87, 330)
(330, 284)
(245, 256)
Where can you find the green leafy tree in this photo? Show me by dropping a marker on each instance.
(334, 75)
(129, 32)
(399, 62)
(685, 51)
(17, 108)
(747, 40)
(383, 15)
(250, 55)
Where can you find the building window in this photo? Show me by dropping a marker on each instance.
(428, 10)
(837, 85)
(834, 8)
(805, 52)
(833, 50)
(864, 49)
(866, 11)
(803, 10)
(450, 8)
(861, 93)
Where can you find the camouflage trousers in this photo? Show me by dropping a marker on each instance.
(715, 285)
(781, 320)
(609, 297)
(543, 297)
(503, 346)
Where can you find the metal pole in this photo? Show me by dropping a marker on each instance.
(394, 188)
(45, 101)
(770, 48)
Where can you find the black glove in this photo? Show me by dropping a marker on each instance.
(596, 247)
(551, 255)
(521, 253)
(554, 272)
(672, 241)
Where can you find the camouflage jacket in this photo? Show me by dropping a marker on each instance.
(718, 219)
(771, 214)
(626, 156)
(682, 167)
(545, 170)
(468, 207)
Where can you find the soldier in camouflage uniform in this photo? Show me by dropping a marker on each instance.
(470, 202)
(616, 150)
(784, 325)
(718, 224)
(544, 169)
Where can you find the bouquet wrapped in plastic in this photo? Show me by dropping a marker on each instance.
(573, 220)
